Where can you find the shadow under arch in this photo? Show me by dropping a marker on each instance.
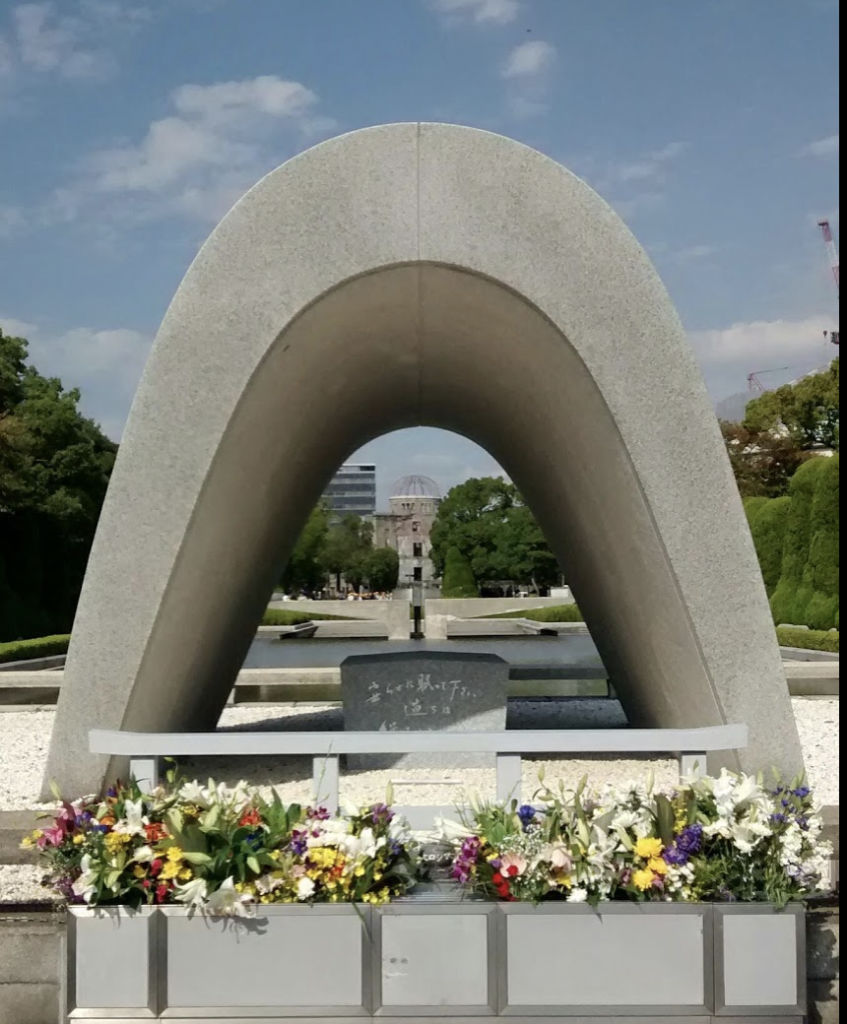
(553, 356)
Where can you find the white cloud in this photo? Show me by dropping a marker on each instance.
(496, 12)
(226, 103)
(218, 141)
(651, 167)
(528, 59)
(765, 343)
(692, 253)
(526, 70)
(6, 57)
(633, 206)
(823, 147)
(49, 42)
(11, 220)
(105, 365)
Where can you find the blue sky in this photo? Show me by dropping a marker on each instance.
(129, 128)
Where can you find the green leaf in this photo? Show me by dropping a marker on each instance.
(194, 857)
(665, 818)
(253, 864)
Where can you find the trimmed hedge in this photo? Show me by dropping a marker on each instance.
(558, 613)
(768, 519)
(40, 647)
(807, 592)
(809, 639)
(283, 617)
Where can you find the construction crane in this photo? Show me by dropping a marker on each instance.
(832, 251)
(754, 382)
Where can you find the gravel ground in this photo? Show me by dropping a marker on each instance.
(25, 736)
(21, 883)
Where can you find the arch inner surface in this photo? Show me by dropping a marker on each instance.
(558, 352)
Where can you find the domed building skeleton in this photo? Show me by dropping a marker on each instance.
(406, 528)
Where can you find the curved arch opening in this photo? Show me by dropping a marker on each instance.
(431, 345)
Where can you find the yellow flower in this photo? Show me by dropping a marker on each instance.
(115, 840)
(185, 875)
(79, 839)
(643, 879)
(139, 871)
(648, 848)
(170, 870)
(657, 866)
(174, 854)
(359, 872)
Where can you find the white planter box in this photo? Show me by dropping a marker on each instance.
(413, 960)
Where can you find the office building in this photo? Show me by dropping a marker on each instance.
(352, 491)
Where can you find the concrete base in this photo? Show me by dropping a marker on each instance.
(32, 957)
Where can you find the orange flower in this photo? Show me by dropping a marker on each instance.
(251, 817)
(108, 819)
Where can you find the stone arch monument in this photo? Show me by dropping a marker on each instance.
(421, 274)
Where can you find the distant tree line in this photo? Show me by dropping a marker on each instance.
(343, 550)
(781, 430)
(54, 469)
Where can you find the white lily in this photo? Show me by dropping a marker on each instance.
(133, 821)
(86, 885)
(452, 831)
(144, 855)
(227, 902)
(193, 893)
(193, 793)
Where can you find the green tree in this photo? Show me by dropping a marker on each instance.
(763, 461)
(383, 570)
(345, 551)
(808, 410)
(494, 530)
(458, 576)
(305, 570)
(54, 470)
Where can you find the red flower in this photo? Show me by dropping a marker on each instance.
(155, 832)
(512, 871)
(251, 817)
(156, 866)
(161, 892)
(146, 883)
(497, 879)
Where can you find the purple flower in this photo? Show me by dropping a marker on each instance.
(318, 814)
(466, 860)
(381, 814)
(675, 856)
(299, 843)
(690, 839)
(779, 819)
(527, 816)
(802, 792)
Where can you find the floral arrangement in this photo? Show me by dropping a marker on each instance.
(223, 850)
(712, 839)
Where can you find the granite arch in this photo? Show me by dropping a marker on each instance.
(421, 274)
